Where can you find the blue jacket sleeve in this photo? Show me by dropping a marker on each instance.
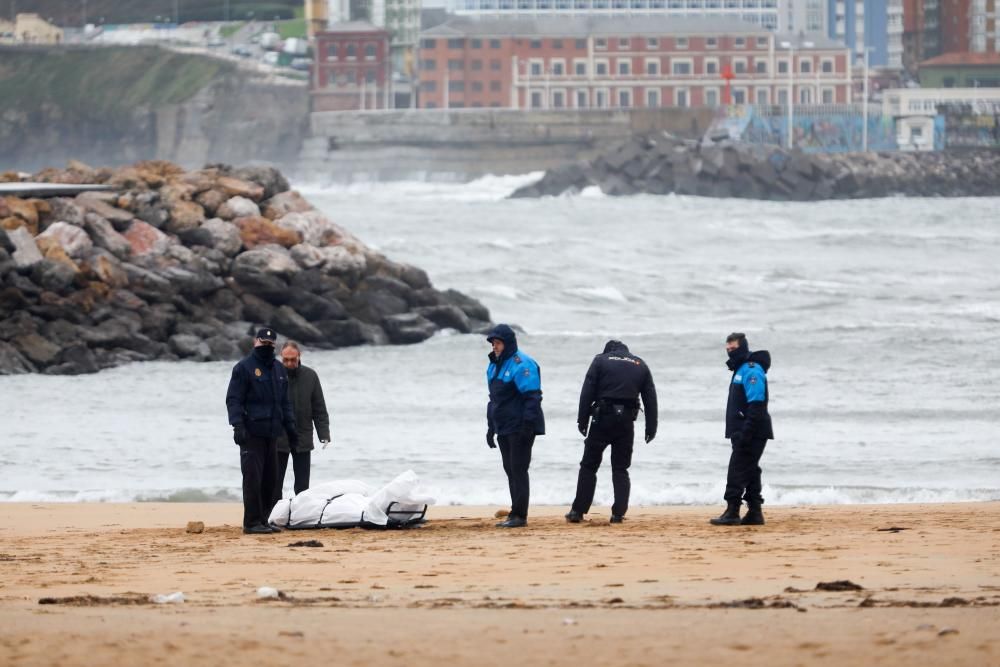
(755, 387)
(236, 395)
(528, 381)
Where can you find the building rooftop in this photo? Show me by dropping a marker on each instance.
(964, 59)
(354, 26)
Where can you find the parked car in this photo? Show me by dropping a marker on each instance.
(301, 64)
(241, 51)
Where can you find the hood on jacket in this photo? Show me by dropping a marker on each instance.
(615, 346)
(739, 356)
(761, 357)
(505, 334)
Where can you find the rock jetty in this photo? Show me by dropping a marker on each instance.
(184, 265)
(663, 164)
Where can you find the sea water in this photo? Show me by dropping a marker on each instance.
(881, 317)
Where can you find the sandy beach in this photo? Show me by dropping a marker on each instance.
(664, 588)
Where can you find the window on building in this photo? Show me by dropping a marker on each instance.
(476, 65)
(536, 68)
(625, 99)
(536, 99)
(711, 66)
(536, 43)
(456, 43)
(682, 97)
(827, 67)
(681, 42)
(456, 86)
(600, 43)
(494, 43)
(495, 65)
(428, 86)
(652, 98)
(477, 86)
(623, 43)
(601, 67)
(740, 66)
(580, 68)
(331, 52)
(711, 42)
(624, 67)
(556, 43)
(495, 86)
(762, 42)
(783, 97)
(652, 43)
(558, 99)
(370, 52)
(352, 52)
(581, 44)
(763, 96)
(828, 96)
(456, 64)
(428, 65)
(805, 96)
(949, 82)
(805, 66)
(739, 96)
(680, 67)
(601, 99)
(760, 66)
(428, 43)
(558, 68)
(782, 67)
(740, 42)
(711, 97)
(370, 76)
(652, 67)
(476, 43)
(581, 99)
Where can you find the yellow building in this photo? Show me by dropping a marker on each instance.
(33, 29)
(317, 17)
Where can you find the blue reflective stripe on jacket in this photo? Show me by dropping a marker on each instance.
(754, 382)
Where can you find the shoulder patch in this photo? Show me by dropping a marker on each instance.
(753, 379)
(517, 358)
(527, 372)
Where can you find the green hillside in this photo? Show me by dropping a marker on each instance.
(104, 83)
(70, 12)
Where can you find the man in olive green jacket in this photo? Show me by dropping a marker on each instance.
(310, 408)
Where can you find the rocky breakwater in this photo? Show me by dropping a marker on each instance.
(184, 265)
(663, 164)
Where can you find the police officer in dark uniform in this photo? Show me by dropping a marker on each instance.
(609, 402)
(514, 416)
(748, 426)
(259, 412)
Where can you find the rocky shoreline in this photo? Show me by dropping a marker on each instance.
(663, 164)
(174, 265)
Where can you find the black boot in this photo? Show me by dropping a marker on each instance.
(573, 516)
(731, 517)
(754, 516)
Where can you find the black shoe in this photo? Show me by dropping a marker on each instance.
(259, 529)
(754, 517)
(731, 517)
(274, 529)
(513, 522)
(617, 519)
(573, 516)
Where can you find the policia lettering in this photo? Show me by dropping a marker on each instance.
(748, 426)
(514, 416)
(609, 401)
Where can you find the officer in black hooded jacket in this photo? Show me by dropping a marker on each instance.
(514, 415)
(748, 426)
(609, 402)
(259, 412)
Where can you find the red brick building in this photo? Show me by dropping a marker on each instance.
(351, 68)
(623, 62)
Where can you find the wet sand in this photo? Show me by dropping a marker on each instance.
(663, 588)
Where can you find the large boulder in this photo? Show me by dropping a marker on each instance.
(218, 234)
(184, 216)
(472, 308)
(307, 256)
(211, 200)
(446, 317)
(268, 178)
(104, 236)
(314, 307)
(66, 210)
(284, 203)
(36, 349)
(150, 209)
(146, 239)
(26, 253)
(117, 217)
(12, 362)
(265, 272)
(23, 210)
(72, 238)
(102, 266)
(238, 207)
(54, 275)
(235, 187)
(339, 261)
(187, 346)
(256, 231)
(293, 325)
(76, 359)
(342, 333)
(408, 328)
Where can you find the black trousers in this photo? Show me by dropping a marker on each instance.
(515, 450)
(259, 464)
(300, 468)
(620, 437)
(743, 480)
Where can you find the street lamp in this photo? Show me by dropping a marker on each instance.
(864, 102)
(789, 141)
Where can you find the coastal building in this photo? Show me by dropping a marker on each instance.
(785, 16)
(553, 62)
(984, 26)
(876, 25)
(400, 18)
(29, 29)
(916, 109)
(961, 70)
(351, 68)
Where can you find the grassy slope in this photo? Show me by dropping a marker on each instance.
(105, 83)
(70, 12)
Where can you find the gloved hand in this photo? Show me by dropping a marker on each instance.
(489, 439)
(325, 443)
(293, 440)
(239, 434)
(650, 436)
(582, 427)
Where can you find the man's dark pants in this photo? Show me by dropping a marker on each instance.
(259, 464)
(620, 436)
(743, 480)
(300, 468)
(515, 450)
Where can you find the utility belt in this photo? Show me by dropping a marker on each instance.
(615, 410)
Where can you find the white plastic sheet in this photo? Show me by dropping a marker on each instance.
(345, 503)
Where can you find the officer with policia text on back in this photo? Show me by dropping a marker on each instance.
(748, 426)
(609, 403)
(514, 416)
(259, 412)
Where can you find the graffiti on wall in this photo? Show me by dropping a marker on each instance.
(968, 127)
(822, 131)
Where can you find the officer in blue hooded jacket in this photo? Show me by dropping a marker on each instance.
(748, 426)
(514, 415)
(260, 411)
